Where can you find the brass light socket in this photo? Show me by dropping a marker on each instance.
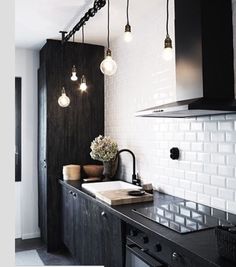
(83, 79)
(108, 53)
(127, 28)
(73, 68)
(168, 42)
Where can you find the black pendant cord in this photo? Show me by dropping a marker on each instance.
(83, 48)
(167, 18)
(83, 34)
(98, 4)
(108, 24)
(127, 12)
(62, 67)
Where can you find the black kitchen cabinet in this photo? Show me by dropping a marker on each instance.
(92, 234)
(65, 134)
(68, 220)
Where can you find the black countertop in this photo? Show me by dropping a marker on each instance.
(200, 244)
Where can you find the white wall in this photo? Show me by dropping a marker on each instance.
(26, 197)
(206, 171)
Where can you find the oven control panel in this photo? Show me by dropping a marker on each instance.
(154, 247)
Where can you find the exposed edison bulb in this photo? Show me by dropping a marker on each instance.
(128, 35)
(108, 66)
(167, 54)
(63, 100)
(73, 74)
(83, 85)
(168, 51)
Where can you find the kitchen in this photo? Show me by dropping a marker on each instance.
(201, 134)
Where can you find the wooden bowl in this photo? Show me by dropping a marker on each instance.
(93, 170)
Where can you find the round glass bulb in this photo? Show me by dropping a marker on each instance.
(64, 100)
(74, 77)
(167, 53)
(108, 66)
(83, 86)
(128, 36)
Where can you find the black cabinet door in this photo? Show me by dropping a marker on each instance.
(98, 235)
(67, 213)
(111, 238)
(88, 242)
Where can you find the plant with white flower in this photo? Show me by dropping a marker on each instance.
(103, 148)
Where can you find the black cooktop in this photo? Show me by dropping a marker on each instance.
(184, 216)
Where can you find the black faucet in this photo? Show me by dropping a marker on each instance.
(135, 180)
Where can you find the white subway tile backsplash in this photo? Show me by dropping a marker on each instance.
(196, 126)
(196, 166)
(231, 206)
(210, 147)
(197, 187)
(185, 184)
(210, 190)
(190, 195)
(226, 194)
(226, 171)
(231, 183)
(203, 157)
(185, 126)
(206, 170)
(226, 148)
(204, 199)
(217, 137)
(197, 146)
(218, 158)
(190, 156)
(218, 203)
(231, 137)
(203, 136)
(226, 126)
(218, 181)
(191, 176)
(203, 178)
(210, 168)
(210, 126)
(190, 136)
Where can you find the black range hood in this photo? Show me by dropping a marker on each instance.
(204, 61)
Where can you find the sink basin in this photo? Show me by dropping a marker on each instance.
(93, 188)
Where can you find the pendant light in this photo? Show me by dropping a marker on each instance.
(108, 66)
(74, 74)
(74, 71)
(63, 100)
(168, 51)
(83, 84)
(127, 35)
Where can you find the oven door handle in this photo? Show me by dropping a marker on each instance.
(138, 252)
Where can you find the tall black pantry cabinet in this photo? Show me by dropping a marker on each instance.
(65, 134)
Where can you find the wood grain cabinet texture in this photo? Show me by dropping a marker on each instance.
(65, 134)
(91, 233)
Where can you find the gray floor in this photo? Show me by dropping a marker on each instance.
(61, 257)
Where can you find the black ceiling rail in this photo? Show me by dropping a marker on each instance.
(98, 4)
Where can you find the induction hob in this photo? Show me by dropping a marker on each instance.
(184, 216)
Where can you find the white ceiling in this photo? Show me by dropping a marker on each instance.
(38, 20)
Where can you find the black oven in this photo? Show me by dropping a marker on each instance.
(139, 257)
(142, 250)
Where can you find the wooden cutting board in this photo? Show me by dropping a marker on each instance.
(120, 197)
